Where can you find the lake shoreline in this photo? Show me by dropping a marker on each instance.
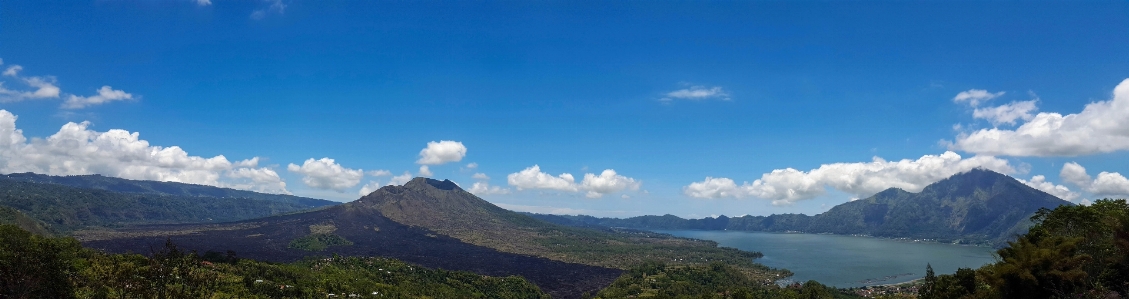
(907, 240)
(847, 261)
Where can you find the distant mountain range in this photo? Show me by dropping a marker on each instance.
(436, 224)
(978, 206)
(62, 204)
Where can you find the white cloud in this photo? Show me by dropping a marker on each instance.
(370, 187)
(1102, 127)
(472, 165)
(696, 93)
(480, 176)
(714, 188)
(105, 94)
(1107, 184)
(442, 152)
(400, 179)
(274, 6)
(786, 186)
(975, 97)
(1060, 191)
(1074, 174)
(533, 178)
(544, 209)
(46, 87)
(484, 188)
(77, 150)
(264, 180)
(607, 182)
(42, 88)
(1007, 113)
(325, 173)
(424, 171)
(378, 173)
(375, 185)
(13, 71)
(595, 185)
(203, 2)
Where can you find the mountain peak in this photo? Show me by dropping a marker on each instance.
(419, 183)
(976, 178)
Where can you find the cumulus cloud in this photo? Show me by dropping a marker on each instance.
(472, 165)
(203, 2)
(596, 186)
(256, 179)
(480, 176)
(975, 97)
(1107, 184)
(786, 186)
(1007, 113)
(105, 94)
(1101, 127)
(607, 182)
(442, 152)
(77, 150)
(696, 93)
(533, 178)
(424, 171)
(1060, 191)
(484, 188)
(325, 173)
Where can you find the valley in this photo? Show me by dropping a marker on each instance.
(437, 225)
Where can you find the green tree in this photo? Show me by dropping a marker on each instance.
(35, 267)
(929, 284)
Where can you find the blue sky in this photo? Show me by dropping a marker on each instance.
(693, 105)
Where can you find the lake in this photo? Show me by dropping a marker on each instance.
(848, 261)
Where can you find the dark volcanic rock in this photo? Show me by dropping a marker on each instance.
(373, 234)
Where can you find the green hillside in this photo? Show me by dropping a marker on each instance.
(106, 183)
(64, 209)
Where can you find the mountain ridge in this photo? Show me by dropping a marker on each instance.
(977, 206)
(63, 204)
(101, 182)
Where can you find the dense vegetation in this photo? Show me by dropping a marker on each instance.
(32, 266)
(714, 280)
(318, 242)
(100, 182)
(1071, 252)
(979, 206)
(63, 209)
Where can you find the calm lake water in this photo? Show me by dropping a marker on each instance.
(848, 261)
